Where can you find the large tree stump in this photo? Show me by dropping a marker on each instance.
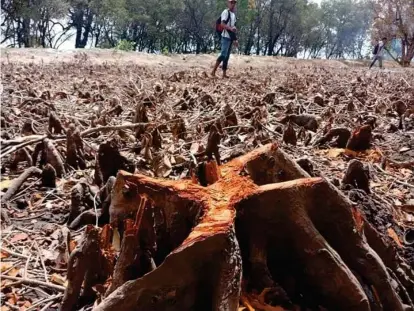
(264, 219)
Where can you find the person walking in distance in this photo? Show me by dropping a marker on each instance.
(228, 36)
(378, 52)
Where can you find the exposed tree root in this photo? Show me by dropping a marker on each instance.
(357, 176)
(229, 116)
(295, 234)
(49, 154)
(250, 113)
(146, 143)
(213, 141)
(256, 121)
(351, 106)
(88, 266)
(49, 176)
(156, 139)
(140, 117)
(18, 182)
(397, 164)
(84, 202)
(360, 139)
(400, 107)
(178, 128)
(306, 165)
(109, 160)
(53, 157)
(342, 134)
(207, 101)
(87, 217)
(82, 198)
(3, 122)
(27, 128)
(55, 125)
(308, 121)
(4, 217)
(21, 155)
(38, 150)
(269, 98)
(74, 148)
(289, 135)
(319, 100)
(212, 147)
(115, 111)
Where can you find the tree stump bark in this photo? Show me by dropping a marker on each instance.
(357, 176)
(342, 134)
(360, 139)
(49, 176)
(74, 148)
(89, 264)
(109, 160)
(265, 220)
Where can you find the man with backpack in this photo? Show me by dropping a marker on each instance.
(378, 52)
(226, 29)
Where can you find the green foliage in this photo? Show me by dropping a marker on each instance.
(125, 45)
(105, 44)
(346, 24)
(165, 51)
(335, 28)
(395, 21)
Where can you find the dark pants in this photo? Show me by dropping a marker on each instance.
(376, 58)
(226, 44)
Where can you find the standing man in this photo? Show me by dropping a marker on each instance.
(379, 52)
(228, 36)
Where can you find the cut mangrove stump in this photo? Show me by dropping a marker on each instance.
(357, 176)
(264, 219)
(88, 265)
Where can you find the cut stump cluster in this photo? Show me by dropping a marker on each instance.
(265, 223)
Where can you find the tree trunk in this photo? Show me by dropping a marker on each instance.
(198, 47)
(249, 42)
(88, 28)
(78, 23)
(274, 223)
(26, 33)
(258, 41)
(98, 31)
(407, 53)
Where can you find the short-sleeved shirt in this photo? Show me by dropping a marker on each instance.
(231, 23)
(380, 48)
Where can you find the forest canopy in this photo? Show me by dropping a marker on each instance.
(331, 29)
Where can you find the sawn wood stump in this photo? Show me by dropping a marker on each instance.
(261, 223)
